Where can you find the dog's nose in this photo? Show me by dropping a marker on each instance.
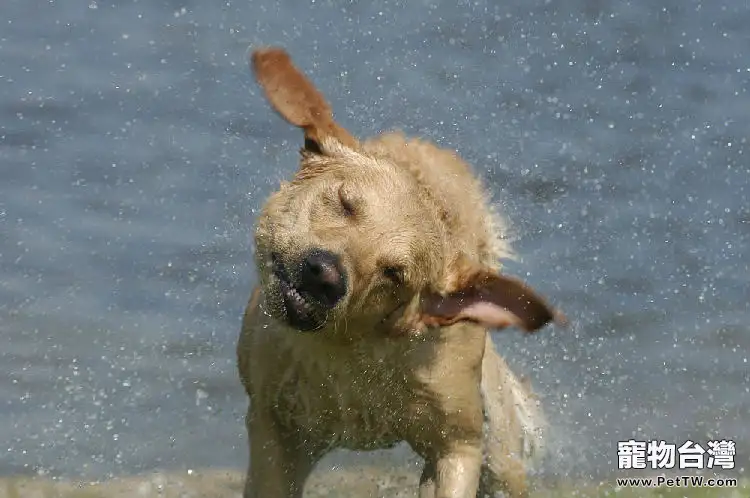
(322, 277)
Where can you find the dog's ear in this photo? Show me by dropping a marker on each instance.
(490, 299)
(296, 99)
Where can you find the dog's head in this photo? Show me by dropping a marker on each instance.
(356, 243)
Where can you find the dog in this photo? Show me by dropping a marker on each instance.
(379, 280)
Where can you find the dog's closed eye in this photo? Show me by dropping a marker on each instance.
(394, 273)
(348, 203)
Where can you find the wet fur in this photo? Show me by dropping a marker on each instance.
(408, 361)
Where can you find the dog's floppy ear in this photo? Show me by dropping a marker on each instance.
(490, 299)
(294, 97)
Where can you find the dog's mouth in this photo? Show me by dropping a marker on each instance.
(300, 309)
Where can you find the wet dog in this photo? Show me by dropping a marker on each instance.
(379, 268)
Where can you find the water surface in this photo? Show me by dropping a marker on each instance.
(135, 151)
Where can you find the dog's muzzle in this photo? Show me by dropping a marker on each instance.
(308, 293)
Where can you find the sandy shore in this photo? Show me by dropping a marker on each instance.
(363, 482)
(212, 483)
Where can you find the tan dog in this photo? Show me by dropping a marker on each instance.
(379, 279)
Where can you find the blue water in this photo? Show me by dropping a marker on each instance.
(135, 150)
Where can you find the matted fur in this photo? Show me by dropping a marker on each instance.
(404, 353)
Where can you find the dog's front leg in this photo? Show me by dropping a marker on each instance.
(278, 466)
(427, 481)
(453, 474)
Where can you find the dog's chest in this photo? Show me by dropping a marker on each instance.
(346, 401)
